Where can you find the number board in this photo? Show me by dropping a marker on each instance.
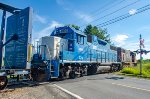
(16, 52)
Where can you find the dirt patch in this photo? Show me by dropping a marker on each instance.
(46, 91)
(25, 93)
(57, 93)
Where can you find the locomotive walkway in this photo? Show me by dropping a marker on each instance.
(106, 86)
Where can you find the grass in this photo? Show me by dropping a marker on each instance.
(135, 71)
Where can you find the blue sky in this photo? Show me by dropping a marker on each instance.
(51, 13)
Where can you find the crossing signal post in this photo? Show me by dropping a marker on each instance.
(141, 51)
(141, 43)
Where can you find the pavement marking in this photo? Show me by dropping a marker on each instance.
(141, 79)
(70, 93)
(131, 87)
(133, 78)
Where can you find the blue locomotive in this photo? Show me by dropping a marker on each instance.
(72, 53)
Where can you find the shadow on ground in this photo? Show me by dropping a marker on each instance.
(114, 78)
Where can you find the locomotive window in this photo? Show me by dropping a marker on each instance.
(102, 42)
(89, 38)
(80, 39)
(71, 36)
(99, 54)
(63, 30)
(103, 55)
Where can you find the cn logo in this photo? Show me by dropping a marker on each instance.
(80, 58)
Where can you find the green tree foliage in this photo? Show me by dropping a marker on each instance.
(74, 26)
(100, 33)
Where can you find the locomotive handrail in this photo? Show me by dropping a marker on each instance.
(49, 52)
(62, 44)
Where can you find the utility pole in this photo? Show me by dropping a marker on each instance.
(141, 51)
(140, 55)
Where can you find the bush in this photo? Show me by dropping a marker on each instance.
(131, 70)
(136, 70)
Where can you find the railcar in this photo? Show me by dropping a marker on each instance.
(126, 57)
(72, 53)
(17, 43)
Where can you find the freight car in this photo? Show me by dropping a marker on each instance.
(126, 57)
(15, 63)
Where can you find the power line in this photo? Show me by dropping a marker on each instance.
(98, 10)
(104, 6)
(110, 7)
(122, 17)
(112, 12)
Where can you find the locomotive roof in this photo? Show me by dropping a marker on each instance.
(77, 31)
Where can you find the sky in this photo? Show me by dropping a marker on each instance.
(48, 14)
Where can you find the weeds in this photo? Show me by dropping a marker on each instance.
(135, 71)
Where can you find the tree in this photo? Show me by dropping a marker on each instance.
(100, 33)
(74, 26)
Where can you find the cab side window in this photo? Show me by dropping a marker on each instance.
(80, 39)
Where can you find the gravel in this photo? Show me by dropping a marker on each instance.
(45, 91)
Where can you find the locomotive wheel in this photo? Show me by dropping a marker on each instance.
(3, 82)
(81, 73)
(115, 68)
(91, 70)
(34, 74)
(72, 75)
(61, 76)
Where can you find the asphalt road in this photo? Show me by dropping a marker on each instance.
(107, 86)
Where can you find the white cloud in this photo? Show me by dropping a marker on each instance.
(64, 4)
(47, 30)
(85, 17)
(60, 2)
(39, 18)
(147, 41)
(147, 56)
(80, 15)
(132, 11)
(133, 46)
(120, 39)
(44, 32)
